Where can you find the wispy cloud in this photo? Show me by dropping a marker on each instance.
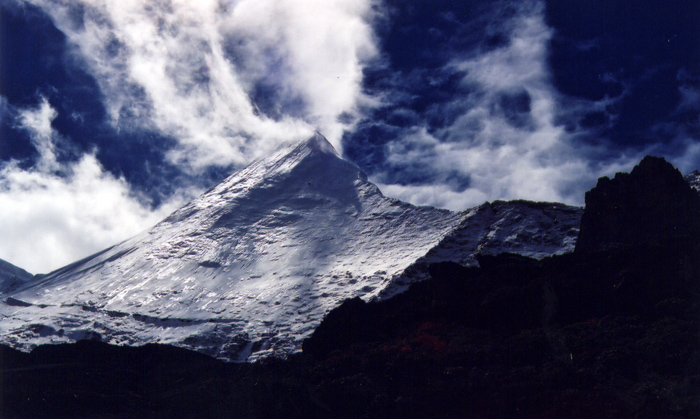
(507, 140)
(55, 213)
(229, 81)
(37, 122)
(192, 70)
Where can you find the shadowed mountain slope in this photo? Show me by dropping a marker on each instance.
(12, 277)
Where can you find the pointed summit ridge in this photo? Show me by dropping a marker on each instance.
(319, 142)
(250, 268)
(311, 163)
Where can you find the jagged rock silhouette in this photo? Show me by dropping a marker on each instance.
(651, 205)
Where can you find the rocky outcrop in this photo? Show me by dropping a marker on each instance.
(652, 205)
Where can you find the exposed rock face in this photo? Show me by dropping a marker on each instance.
(639, 242)
(651, 205)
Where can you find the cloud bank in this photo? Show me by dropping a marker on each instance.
(55, 213)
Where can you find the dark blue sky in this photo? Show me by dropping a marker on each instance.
(442, 103)
(625, 77)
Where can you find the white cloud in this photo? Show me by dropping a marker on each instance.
(188, 68)
(325, 44)
(38, 123)
(56, 213)
(520, 153)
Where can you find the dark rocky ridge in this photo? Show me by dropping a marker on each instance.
(651, 205)
(610, 331)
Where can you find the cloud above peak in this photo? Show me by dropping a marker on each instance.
(230, 81)
(37, 122)
(169, 94)
(495, 136)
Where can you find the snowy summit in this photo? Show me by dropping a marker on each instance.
(251, 267)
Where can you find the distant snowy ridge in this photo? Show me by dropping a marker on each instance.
(533, 229)
(251, 267)
(693, 179)
(12, 277)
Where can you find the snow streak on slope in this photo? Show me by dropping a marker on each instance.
(12, 277)
(251, 266)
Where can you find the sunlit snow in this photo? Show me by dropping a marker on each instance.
(250, 268)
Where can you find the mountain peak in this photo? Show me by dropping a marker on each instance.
(249, 267)
(693, 179)
(650, 205)
(12, 276)
(320, 143)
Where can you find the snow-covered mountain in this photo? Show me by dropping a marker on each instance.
(250, 268)
(12, 277)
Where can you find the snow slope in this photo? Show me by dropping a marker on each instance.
(12, 277)
(254, 263)
(250, 268)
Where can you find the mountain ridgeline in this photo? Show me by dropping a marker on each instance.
(249, 269)
(12, 277)
(607, 331)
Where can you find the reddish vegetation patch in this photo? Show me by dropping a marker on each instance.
(431, 343)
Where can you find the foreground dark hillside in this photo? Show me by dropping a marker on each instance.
(610, 331)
